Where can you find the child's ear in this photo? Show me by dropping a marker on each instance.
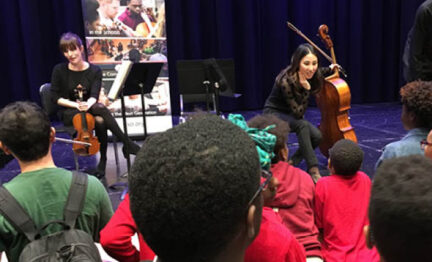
(4, 148)
(368, 235)
(330, 166)
(270, 192)
(283, 154)
(52, 135)
(250, 222)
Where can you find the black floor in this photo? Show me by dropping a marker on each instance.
(375, 125)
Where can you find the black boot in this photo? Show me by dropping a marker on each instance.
(130, 148)
(101, 168)
(98, 172)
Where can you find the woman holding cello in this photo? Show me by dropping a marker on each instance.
(78, 73)
(289, 100)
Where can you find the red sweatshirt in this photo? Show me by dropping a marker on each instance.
(341, 209)
(294, 201)
(274, 243)
(115, 238)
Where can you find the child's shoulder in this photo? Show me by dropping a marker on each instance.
(363, 175)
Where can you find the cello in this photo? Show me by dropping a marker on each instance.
(333, 100)
(84, 123)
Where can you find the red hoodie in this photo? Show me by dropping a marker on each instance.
(115, 237)
(274, 243)
(294, 202)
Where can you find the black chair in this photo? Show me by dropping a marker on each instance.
(52, 109)
(193, 100)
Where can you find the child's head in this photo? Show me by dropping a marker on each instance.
(281, 131)
(417, 104)
(400, 209)
(25, 131)
(346, 157)
(190, 189)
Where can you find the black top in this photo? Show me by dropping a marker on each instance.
(64, 82)
(417, 58)
(291, 98)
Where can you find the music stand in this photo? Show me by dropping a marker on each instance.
(139, 80)
(207, 76)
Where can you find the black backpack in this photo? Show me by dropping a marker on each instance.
(68, 244)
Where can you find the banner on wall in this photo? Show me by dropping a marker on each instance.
(118, 30)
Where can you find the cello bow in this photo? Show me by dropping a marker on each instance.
(330, 59)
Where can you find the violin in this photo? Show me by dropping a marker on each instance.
(334, 101)
(84, 124)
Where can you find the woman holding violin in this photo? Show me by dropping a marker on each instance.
(78, 74)
(289, 100)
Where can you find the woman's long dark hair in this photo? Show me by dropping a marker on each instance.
(291, 70)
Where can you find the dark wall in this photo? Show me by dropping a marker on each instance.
(368, 36)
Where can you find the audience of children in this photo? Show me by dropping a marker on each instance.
(196, 198)
(274, 243)
(295, 193)
(341, 203)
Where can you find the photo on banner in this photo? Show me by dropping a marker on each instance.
(121, 30)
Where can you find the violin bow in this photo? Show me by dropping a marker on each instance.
(70, 141)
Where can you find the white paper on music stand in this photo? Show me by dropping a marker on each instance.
(120, 79)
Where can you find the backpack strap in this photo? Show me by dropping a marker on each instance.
(16, 215)
(75, 200)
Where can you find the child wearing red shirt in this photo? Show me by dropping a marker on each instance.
(295, 194)
(341, 206)
(116, 236)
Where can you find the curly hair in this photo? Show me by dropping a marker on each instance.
(400, 210)
(417, 97)
(281, 131)
(190, 186)
(25, 129)
(346, 157)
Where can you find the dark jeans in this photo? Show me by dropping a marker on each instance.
(309, 137)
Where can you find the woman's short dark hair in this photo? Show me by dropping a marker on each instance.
(69, 41)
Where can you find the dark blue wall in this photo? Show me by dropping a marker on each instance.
(368, 35)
